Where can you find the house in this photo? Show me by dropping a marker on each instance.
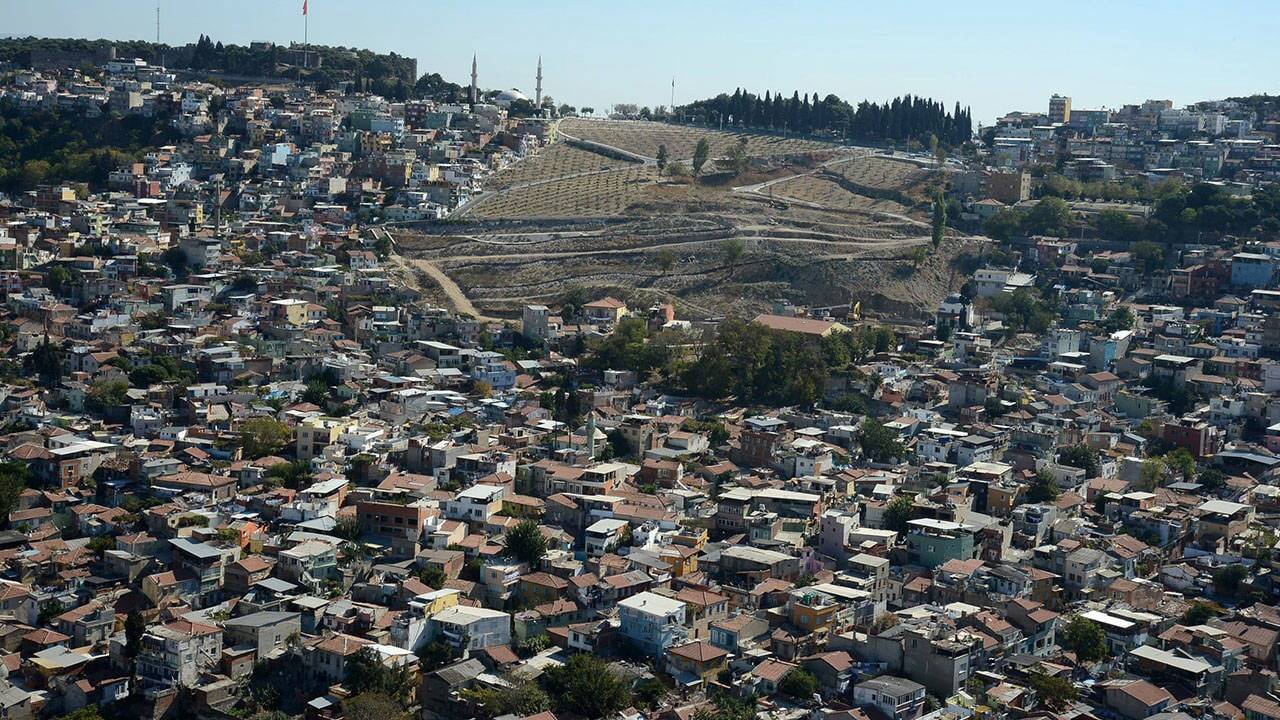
(696, 662)
(651, 622)
(894, 697)
(177, 653)
(265, 631)
(1137, 699)
(605, 310)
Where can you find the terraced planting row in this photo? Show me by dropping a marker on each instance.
(881, 173)
(555, 161)
(599, 194)
(643, 138)
(830, 194)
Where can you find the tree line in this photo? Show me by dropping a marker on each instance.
(901, 119)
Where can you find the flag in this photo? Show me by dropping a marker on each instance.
(304, 7)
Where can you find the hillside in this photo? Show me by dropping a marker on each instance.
(808, 222)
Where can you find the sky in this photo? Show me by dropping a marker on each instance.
(992, 56)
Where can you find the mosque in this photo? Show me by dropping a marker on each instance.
(506, 97)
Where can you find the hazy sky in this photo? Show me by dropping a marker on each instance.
(993, 56)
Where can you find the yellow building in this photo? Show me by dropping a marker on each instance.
(681, 559)
(317, 433)
(435, 601)
(289, 310)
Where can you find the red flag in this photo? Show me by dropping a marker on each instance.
(304, 7)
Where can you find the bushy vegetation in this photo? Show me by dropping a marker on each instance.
(57, 146)
(761, 365)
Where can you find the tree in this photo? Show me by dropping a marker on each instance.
(526, 543)
(736, 161)
(106, 394)
(701, 152)
(1120, 319)
(1183, 461)
(1050, 216)
(13, 480)
(666, 259)
(1043, 488)
(897, 513)
(799, 684)
(44, 362)
(366, 673)
(1085, 638)
(1200, 612)
(677, 169)
(1153, 473)
(587, 687)
(432, 576)
(482, 388)
(733, 249)
(263, 436)
(100, 544)
(520, 697)
(134, 628)
(348, 528)
(1149, 255)
(373, 706)
(879, 442)
(939, 218)
(662, 158)
(1080, 456)
(1227, 579)
(1055, 693)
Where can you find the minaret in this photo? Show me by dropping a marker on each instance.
(475, 82)
(537, 94)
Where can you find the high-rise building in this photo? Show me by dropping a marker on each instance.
(1059, 109)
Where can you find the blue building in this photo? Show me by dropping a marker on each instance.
(652, 622)
(1252, 270)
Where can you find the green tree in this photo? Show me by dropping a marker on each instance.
(701, 152)
(736, 161)
(1080, 456)
(662, 159)
(939, 218)
(526, 543)
(1120, 319)
(366, 673)
(1201, 612)
(13, 480)
(263, 436)
(897, 513)
(733, 249)
(1050, 216)
(134, 628)
(432, 576)
(799, 684)
(666, 259)
(1228, 578)
(100, 544)
(1043, 488)
(44, 362)
(107, 394)
(1153, 473)
(879, 442)
(587, 687)
(1055, 693)
(1085, 638)
(1181, 460)
(1149, 256)
(520, 697)
(373, 706)
(1004, 225)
